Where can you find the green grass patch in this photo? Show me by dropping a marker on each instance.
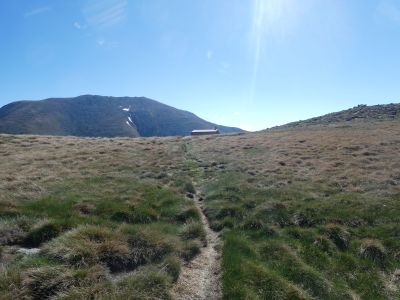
(92, 227)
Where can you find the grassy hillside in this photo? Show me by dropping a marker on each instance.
(302, 214)
(357, 114)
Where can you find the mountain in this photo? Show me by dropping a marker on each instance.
(360, 113)
(91, 115)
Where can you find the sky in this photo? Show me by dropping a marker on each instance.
(246, 63)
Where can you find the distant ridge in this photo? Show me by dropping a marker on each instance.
(360, 113)
(100, 116)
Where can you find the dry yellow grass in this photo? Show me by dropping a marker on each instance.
(363, 158)
(32, 164)
(352, 158)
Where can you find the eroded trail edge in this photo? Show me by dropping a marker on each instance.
(201, 277)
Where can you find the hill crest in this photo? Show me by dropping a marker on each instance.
(359, 113)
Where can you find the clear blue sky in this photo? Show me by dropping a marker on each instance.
(247, 63)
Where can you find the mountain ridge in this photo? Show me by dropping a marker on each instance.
(94, 115)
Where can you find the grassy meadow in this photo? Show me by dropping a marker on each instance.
(310, 213)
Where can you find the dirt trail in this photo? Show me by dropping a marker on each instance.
(201, 277)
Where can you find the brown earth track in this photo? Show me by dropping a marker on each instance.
(200, 278)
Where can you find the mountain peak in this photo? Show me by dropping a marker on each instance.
(95, 115)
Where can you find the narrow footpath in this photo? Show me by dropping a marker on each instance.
(201, 277)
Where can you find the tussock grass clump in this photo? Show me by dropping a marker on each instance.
(191, 213)
(339, 235)
(85, 208)
(90, 245)
(119, 250)
(184, 184)
(189, 187)
(123, 216)
(278, 213)
(42, 232)
(324, 243)
(226, 210)
(228, 222)
(147, 283)
(144, 215)
(269, 231)
(257, 281)
(44, 282)
(372, 249)
(103, 290)
(190, 249)
(253, 223)
(193, 230)
(266, 284)
(148, 244)
(306, 218)
(15, 230)
(172, 266)
(285, 261)
(51, 281)
(10, 284)
(299, 233)
(216, 225)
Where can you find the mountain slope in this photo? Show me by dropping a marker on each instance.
(90, 115)
(359, 113)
